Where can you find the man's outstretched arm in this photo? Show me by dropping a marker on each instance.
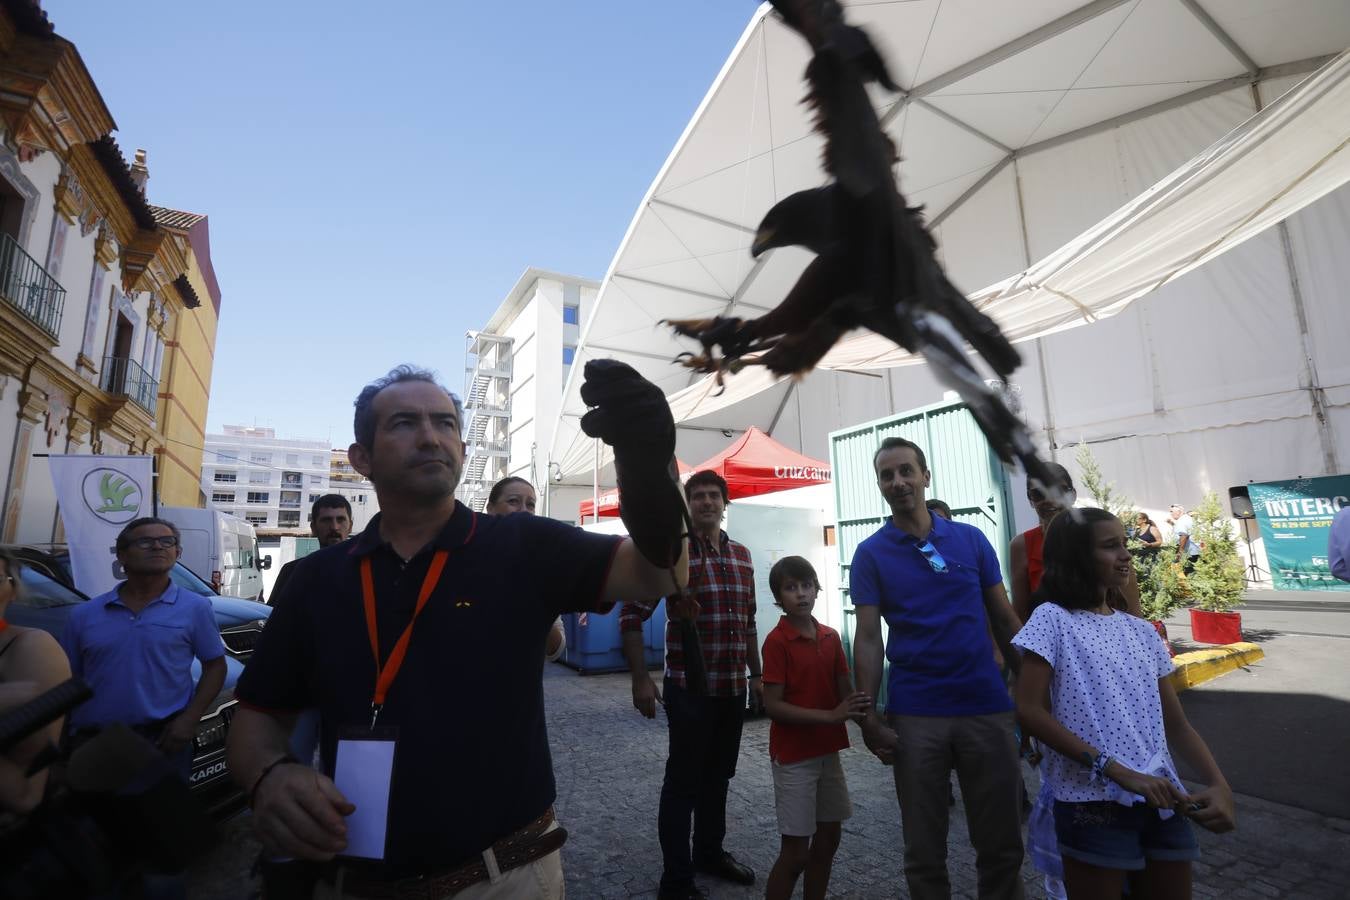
(632, 577)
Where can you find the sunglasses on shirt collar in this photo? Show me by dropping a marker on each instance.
(934, 558)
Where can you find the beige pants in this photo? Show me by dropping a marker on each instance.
(539, 880)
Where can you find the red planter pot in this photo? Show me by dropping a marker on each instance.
(1216, 627)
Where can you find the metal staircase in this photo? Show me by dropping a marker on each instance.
(487, 416)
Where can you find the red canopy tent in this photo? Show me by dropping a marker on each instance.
(757, 464)
(754, 464)
(609, 499)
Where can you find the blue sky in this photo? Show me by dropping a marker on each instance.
(378, 175)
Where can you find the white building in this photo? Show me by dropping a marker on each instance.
(345, 481)
(524, 352)
(268, 481)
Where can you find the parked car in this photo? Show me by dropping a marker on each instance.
(49, 597)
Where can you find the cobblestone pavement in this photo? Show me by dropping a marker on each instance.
(609, 761)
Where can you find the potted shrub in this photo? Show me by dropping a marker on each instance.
(1163, 588)
(1215, 583)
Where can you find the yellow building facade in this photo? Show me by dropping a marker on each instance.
(190, 348)
(108, 306)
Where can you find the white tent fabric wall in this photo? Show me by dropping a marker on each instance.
(1218, 348)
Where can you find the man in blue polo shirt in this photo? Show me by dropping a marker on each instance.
(937, 584)
(135, 645)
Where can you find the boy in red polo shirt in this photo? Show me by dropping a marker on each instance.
(809, 697)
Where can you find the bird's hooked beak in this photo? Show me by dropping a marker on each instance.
(763, 240)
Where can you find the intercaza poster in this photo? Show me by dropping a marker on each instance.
(1295, 520)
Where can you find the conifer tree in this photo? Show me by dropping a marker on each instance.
(1217, 581)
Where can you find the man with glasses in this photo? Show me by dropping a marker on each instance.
(938, 586)
(135, 645)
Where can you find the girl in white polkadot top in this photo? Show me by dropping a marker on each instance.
(1119, 804)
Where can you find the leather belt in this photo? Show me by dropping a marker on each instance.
(515, 850)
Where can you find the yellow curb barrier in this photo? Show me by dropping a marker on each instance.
(1199, 666)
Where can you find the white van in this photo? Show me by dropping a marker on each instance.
(221, 549)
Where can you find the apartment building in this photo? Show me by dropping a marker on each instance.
(267, 480)
(345, 481)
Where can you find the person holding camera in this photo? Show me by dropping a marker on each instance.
(30, 663)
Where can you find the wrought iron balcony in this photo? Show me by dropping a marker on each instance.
(126, 377)
(27, 287)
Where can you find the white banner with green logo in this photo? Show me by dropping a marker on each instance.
(98, 496)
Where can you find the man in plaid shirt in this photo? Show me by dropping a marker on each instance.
(705, 731)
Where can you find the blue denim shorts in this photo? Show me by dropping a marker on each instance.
(1104, 833)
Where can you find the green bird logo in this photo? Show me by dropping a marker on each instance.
(113, 490)
(112, 495)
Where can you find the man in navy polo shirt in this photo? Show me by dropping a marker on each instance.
(135, 645)
(937, 585)
(421, 644)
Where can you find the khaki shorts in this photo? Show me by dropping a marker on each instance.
(810, 791)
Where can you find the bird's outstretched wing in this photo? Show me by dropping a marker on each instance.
(876, 264)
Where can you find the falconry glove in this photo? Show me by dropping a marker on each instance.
(630, 414)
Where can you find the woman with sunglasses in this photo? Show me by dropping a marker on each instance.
(1025, 551)
(1094, 690)
(32, 658)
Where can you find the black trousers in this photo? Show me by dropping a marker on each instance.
(705, 742)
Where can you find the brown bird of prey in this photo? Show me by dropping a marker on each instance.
(875, 264)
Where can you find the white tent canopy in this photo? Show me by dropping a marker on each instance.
(1023, 125)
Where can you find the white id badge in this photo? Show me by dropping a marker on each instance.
(363, 772)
